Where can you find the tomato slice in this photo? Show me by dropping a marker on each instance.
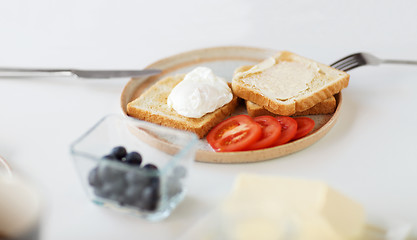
(288, 131)
(304, 126)
(271, 130)
(234, 134)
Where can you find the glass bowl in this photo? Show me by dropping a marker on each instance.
(122, 167)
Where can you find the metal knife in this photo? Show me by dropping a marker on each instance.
(81, 73)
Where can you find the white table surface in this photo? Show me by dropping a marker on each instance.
(370, 154)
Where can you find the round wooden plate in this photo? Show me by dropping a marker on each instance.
(223, 61)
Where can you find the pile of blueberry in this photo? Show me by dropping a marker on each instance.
(128, 186)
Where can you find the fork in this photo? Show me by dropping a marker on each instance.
(361, 59)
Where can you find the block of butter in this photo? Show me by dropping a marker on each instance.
(271, 207)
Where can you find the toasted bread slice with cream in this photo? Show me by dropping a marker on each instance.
(288, 83)
(328, 106)
(152, 106)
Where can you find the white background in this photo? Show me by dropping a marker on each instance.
(370, 154)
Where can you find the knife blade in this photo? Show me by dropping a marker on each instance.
(81, 73)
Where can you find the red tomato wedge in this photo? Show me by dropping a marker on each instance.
(234, 134)
(271, 130)
(304, 126)
(288, 131)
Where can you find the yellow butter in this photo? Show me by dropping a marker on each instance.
(286, 208)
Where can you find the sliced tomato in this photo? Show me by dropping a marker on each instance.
(271, 130)
(288, 131)
(234, 134)
(304, 126)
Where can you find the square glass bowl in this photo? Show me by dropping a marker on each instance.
(118, 182)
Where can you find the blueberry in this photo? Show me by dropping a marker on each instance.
(154, 181)
(149, 199)
(109, 173)
(133, 158)
(150, 166)
(118, 186)
(135, 177)
(104, 191)
(134, 191)
(132, 194)
(119, 152)
(112, 190)
(93, 178)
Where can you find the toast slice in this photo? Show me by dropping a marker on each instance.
(152, 106)
(328, 106)
(288, 83)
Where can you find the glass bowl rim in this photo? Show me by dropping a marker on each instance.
(126, 119)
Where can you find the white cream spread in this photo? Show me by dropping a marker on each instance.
(199, 93)
(281, 81)
(267, 63)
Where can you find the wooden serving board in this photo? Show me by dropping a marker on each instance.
(223, 61)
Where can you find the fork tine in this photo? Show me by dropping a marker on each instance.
(350, 62)
(347, 61)
(350, 67)
(343, 59)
